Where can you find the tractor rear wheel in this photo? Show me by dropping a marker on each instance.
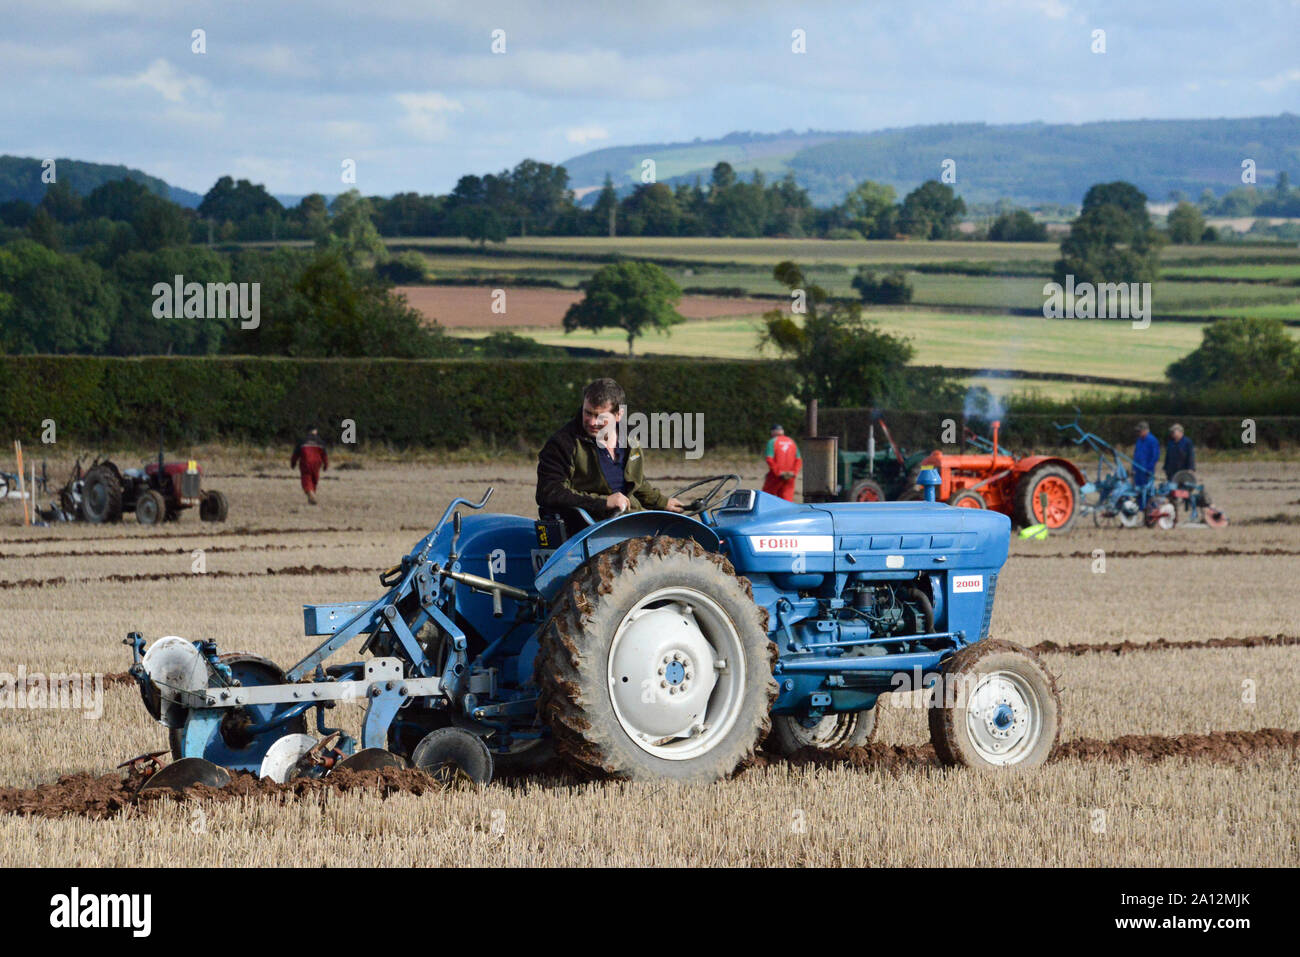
(1051, 486)
(850, 729)
(995, 706)
(150, 508)
(655, 663)
(101, 495)
(866, 491)
(967, 499)
(213, 507)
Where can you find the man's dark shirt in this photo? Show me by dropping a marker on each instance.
(1179, 455)
(611, 466)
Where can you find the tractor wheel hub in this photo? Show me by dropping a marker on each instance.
(655, 675)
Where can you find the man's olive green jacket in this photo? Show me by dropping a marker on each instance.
(569, 475)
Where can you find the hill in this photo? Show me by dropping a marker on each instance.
(20, 178)
(1028, 163)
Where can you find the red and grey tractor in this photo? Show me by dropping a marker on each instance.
(158, 492)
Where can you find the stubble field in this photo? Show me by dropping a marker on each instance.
(1144, 776)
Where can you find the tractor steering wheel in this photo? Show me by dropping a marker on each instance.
(717, 484)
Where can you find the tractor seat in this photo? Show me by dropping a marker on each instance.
(559, 524)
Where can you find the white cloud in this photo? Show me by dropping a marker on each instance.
(426, 114)
(1285, 78)
(163, 78)
(275, 60)
(586, 134)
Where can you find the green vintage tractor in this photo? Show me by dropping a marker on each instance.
(887, 474)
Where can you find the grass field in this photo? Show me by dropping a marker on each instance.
(1112, 349)
(65, 610)
(955, 319)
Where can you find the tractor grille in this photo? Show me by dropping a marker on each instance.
(190, 484)
(991, 586)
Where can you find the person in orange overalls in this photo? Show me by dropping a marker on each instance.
(311, 458)
(783, 464)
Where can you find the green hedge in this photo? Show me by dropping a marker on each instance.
(1025, 432)
(434, 403)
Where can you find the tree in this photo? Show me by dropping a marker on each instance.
(311, 216)
(870, 209)
(788, 207)
(479, 224)
(231, 201)
(539, 191)
(52, 302)
(1112, 240)
(652, 210)
(1237, 352)
(314, 304)
(1017, 227)
(1186, 224)
(930, 211)
(891, 289)
(352, 230)
(632, 296)
(139, 332)
(605, 210)
(839, 358)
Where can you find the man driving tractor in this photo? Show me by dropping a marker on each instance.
(584, 466)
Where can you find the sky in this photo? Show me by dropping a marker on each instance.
(416, 96)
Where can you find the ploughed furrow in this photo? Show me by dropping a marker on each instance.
(1164, 644)
(142, 552)
(199, 533)
(1221, 552)
(59, 580)
(107, 795)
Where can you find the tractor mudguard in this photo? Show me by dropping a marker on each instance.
(596, 538)
(1031, 462)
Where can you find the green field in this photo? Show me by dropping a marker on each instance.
(1103, 348)
(747, 264)
(956, 319)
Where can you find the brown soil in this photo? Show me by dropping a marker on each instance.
(108, 795)
(1171, 553)
(1163, 644)
(179, 576)
(470, 307)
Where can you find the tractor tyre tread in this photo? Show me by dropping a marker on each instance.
(571, 665)
(946, 724)
(1024, 499)
(107, 475)
(861, 732)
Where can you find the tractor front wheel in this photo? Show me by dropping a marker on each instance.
(866, 491)
(213, 507)
(655, 664)
(995, 706)
(1049, 496)
(101, 495)
(150, 508)
(852, 729)
(967, 499)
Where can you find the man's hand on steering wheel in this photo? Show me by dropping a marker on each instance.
(717, 484)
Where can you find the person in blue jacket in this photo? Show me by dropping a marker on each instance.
(1146, 454)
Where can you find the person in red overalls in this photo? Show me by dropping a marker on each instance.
(310, 457)
(783, 464)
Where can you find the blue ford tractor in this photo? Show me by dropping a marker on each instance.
(651, 645)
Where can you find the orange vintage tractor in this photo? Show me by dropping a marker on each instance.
(1033, 490)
